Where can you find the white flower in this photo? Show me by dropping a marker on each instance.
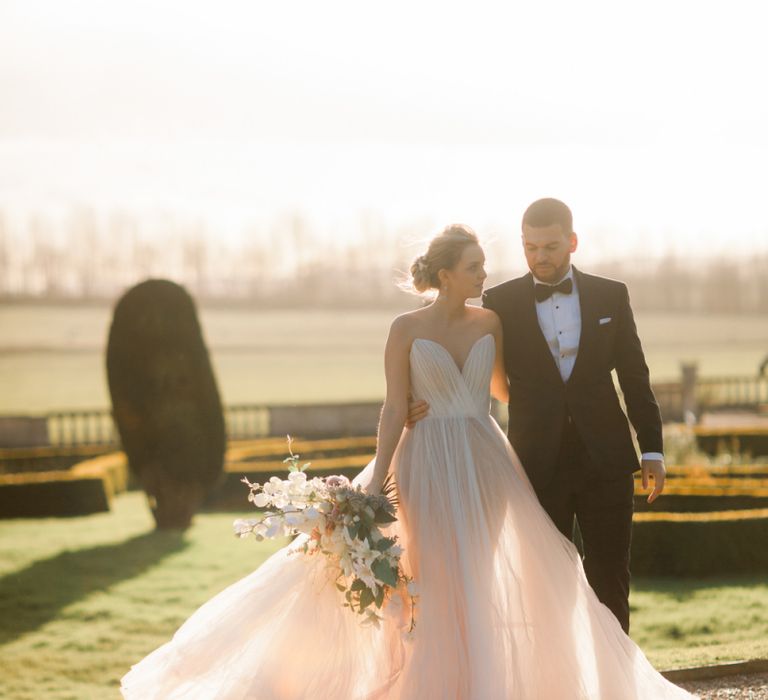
(260, 500)
(294, 519)
(345, 562)
(371, 618)
(274, 528)
(337, 481)
(242, 527)
(314, 518)
(280, 501)
(301, 505)
(334, 544)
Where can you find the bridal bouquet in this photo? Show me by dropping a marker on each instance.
(341, 522)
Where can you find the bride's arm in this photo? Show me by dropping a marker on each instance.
(395, 410)
(499, 383)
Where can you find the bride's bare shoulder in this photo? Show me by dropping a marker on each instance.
(486, 318)
(404, 326)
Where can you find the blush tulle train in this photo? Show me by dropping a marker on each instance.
(504, 609)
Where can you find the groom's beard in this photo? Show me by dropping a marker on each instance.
(550, 273)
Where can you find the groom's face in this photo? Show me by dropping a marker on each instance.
(548, 251)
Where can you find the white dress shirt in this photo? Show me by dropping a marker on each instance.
(560, 322)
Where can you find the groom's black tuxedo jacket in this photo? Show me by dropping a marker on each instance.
(540, 402)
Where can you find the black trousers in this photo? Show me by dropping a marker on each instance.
(603, 510)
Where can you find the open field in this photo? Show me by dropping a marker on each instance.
(83, 598)
(52, 357)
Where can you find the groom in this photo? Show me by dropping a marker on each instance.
(564, 331)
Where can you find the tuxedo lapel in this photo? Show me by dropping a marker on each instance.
(539, 346)
(588, 311)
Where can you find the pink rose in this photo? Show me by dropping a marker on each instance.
(336, 481)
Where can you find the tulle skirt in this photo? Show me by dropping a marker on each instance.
(503, 610)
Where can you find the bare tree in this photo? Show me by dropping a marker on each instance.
(195, 260)
(86, 250)
(5, 257)
(47, 258)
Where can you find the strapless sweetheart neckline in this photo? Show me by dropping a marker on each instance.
(447, 352)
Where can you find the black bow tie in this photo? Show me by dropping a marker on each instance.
(544, 291)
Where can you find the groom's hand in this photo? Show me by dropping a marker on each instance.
(416, 411)
(654, 468)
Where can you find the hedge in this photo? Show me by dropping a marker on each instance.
(112, 466)
(46, 494)
(231, 493)
(700, 544)
(277, 448)
(86, 488)
(695, 503)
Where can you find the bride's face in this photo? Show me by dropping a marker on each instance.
(466, 278)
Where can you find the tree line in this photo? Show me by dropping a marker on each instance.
(93, 259)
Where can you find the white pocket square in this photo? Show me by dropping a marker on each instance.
(605, 320)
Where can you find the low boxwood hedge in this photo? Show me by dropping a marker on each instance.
(86, 488)
(47, 494)
(700, 544)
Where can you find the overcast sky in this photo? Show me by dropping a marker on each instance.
(649, 118)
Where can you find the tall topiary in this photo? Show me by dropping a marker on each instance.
(165, 402)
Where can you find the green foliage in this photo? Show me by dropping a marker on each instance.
(679, 503)
(48, 494)
(687, 622)
(384, 572)
(668, 547)
(165, 401)
(82, 599)
(366, 597)
(259, 370)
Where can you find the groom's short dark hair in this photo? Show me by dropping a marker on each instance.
(549, 211)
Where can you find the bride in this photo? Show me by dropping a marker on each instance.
(504, 608)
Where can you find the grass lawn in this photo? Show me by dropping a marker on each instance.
(52, 355)
(83, 598)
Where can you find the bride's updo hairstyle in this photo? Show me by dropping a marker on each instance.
(443, 253)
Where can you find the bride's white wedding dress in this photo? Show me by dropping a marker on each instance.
(504, 608)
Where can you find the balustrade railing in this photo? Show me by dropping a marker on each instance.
(95, 427)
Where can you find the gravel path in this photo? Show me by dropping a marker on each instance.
(746, 687)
